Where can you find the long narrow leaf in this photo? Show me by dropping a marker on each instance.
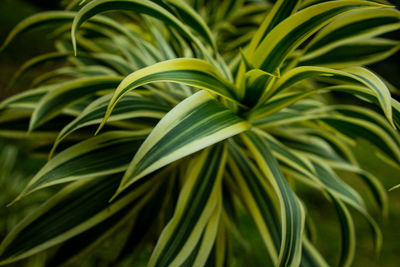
(292, 212)
(196, 204)
(197, 122)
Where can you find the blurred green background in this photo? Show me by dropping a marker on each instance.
(14, 164)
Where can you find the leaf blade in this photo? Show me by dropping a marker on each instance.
(195, 123)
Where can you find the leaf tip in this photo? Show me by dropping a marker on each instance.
(394, 188)
(32, 126)
(119, 190)
(52, 151)
(21, 195)
(108, 113)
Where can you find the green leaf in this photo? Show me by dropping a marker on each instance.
(258, 197)
(131, 106)
(279, 12)
(310, 256)
(75, 209)
(292, 212)
(81, 71)
(193, 72)
(102, 155)
(394, 187)
(27, 99)
(67, 94)
(36, 61)
(43, 18)
(256, 83)
(378, 191)
(60, 17)
(356, 74)
(191, 18)
(339, 189)
(139, 6)
(291, 32)
(289, 157)
(197, 122)
(357, 128)
(354, 54)
(199, 204)
(82, 245)
(201, 253)
(355, 26)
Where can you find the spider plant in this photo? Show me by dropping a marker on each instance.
(169, 120)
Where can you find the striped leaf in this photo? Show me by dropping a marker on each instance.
(75, 209)
(106, 154)
(117, 232)
(338, 189)
(291, 32)
(345, 193)
(356, 128)
(356, 74)
(201, 253)
(27, 99)
(74, 72)
(394, 187)
(258, 197)
(336, 186)
(257, 82)
(131, 106)
(352, 27)
(67, 94)
(195, 123)
(292, 212)
(280, 11)
(378, 191)
(139, 6)
(189, 16)
(367, 115)
(310, 256)
(14, 124)
(354, 54)
(396, 112)
(36, 61)
(199, 205)
(351, 128)
(290, 158)
(193, 72)
(44, 18)
(57, 18)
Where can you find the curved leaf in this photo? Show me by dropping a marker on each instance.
(193, 19)
(199, 198)
(139, 6)
(258, 197)
(354, 54)
(193, 72)
(356, 74)
(131, 106)
(73, 210)
(67, 94)
(197, 122)
(291, 32)
(361, 24)
(102, 155)
(279, 12)
(292, 211)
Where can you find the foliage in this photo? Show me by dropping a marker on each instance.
(204, 110)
